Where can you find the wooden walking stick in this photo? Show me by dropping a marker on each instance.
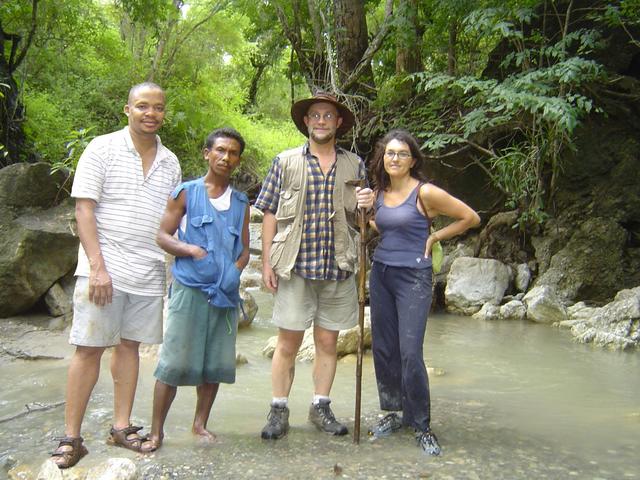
(362, 277)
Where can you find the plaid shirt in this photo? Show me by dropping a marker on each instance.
(316, 258)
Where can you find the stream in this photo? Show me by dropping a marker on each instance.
(513, 400)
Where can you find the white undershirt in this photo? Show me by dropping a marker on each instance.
(222, 203)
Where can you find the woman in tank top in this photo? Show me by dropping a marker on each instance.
(400, 281)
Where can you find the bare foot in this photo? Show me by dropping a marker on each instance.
(204, 435)
(152, 443)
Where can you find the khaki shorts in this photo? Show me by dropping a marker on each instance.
(330, 304)
(130, 317)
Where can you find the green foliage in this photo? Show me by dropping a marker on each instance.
(87, 54)
(624, 13)
(46, 125)
(75, 145)
(533, 112)
(192, 114)
(209, 55)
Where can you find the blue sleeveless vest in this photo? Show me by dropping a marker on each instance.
(220, 234)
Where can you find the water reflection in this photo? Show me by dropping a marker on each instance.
(518, 400)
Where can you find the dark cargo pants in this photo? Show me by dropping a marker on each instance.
(400, 299)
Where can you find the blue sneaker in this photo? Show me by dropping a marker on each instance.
(386, 426)
(428, 441)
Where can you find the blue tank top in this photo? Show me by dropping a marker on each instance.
(403, 231)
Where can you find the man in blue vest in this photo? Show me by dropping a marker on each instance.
(310, 253)
(212, 249)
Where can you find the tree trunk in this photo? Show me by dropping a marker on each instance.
(408, 38)
(12, 137)
(452, 60)
(351, 32)
(253, 87)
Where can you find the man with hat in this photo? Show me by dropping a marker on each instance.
(310, 253)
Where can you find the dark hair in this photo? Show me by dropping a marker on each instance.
(380, 176)
(133, 90)
(225, 132)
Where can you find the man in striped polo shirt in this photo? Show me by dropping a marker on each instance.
(310, 253)
(121, 186)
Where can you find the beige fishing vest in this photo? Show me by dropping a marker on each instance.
(291, 207)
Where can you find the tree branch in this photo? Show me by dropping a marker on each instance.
(453, 153)
(489, 153)
(373, 47)
(184, 36)
(317, 27)
(32, 407)
(13, 64)
(293, 33)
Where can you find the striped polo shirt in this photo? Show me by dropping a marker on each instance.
(128, 209)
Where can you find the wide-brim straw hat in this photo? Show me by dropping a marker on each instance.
(301, 107)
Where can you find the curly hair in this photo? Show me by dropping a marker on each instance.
(381, 178)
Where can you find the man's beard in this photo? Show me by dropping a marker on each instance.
(330, 136)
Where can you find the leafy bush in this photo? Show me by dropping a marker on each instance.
(530, 116)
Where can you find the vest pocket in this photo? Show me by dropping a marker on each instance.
(278, 244)
(198, 234)
(287, 204)
(347, 248)
(231, 239)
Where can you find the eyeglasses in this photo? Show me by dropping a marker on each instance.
(390, 154)
(315, 116)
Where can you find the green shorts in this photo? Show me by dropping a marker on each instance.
(200, 341)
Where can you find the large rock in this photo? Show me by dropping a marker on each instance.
(590, 264)
(489, 311)
(513, 310)
(59, 298)
(472, 282)
(543, 306)
(49, 471)
(36, 250)
(114, 469)
(451, 252)
(32, 185)
(615, 325)
(501, 240)
(347, 342)
(20, 472)
(248, 310)
(522, 277)
(255, 238)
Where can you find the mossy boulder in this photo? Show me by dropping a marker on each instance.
(37, 241)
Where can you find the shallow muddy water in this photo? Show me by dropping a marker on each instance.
(517, 400)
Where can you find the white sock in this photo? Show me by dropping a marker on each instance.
(279, 401)
(317, 398)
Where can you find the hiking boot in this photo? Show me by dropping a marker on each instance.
(322, 417)
(386, 426)
(428, 441)
(277, 423)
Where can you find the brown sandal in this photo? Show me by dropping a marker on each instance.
(69, 457)
(120, 438)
